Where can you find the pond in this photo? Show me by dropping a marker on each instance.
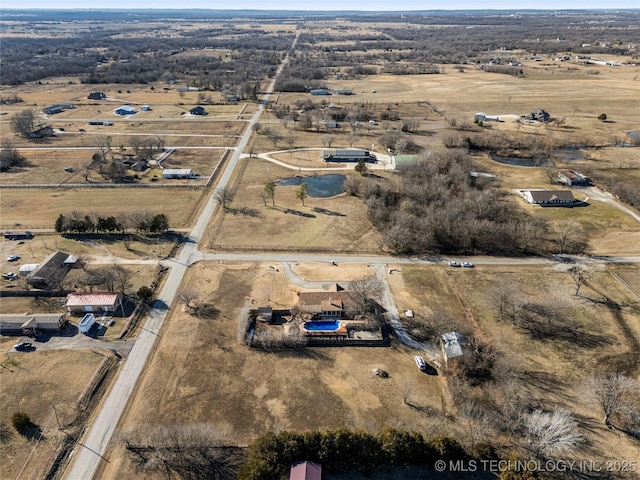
(567, 154)
(318, 186)
(522, 161)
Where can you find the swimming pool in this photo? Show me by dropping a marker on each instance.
(322, 326)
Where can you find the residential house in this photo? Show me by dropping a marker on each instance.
(52, 270)
(101, 302)
(135, 163)
(42, 132)
(349, 155)
(97, 96)
(319, 91)
(540, 116)
(125, 110)
(31, 323)
(548, 197)
(325, 304)
(52, 110)
(178, 173)
(198, 111)
(305, 470)
(570, 178)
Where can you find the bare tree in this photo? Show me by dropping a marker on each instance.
(23, 122)
(568, 237)
(615, 393)
(270, 192)
(9, 155)
(327, 140)
(551, 433)
(224, 195)
(104, 145)
(580, 275)
(365, 292)
(274, 136)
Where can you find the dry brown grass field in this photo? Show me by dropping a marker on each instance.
(245, 392)
(32, 382)
(552, 370)
(249, 223)
(39, 208)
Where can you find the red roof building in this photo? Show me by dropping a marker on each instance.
(93, 302)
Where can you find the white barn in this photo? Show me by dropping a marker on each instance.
(178, 173)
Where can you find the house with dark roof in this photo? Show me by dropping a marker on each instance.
(42, 132)
(52, 270)
(125, 110)
(349, 155)
(325, 304)
(305, 470)
(97, 96)
(549, 198)
(198, 111)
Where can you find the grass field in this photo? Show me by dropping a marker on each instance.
(280, 226)
(244, 392)
(32, 382)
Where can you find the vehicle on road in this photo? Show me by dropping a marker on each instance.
(23, 346)
(468, 265)
(9, 276)
(422, 365)
(454, 264)
(13, 258)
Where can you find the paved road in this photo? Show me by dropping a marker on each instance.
(94, 445)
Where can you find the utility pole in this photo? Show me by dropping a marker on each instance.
(56, 413)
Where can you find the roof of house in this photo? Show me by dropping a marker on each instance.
(547, 196)
(571, 175)
(319, 301)
(351, 153)
(452, 344)
(29, 320)
(51, 267)
(305, 471)
(80, 299)
(125, 108)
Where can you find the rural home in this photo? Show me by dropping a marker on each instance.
(305, 471)
(349, 155)
(52, 270)
(549, 198)
(52, 110)
(570, 178)
(97, 96)
(135, 163)
(105, 302)
(453, 345)
(125, 110)
(42, 132)
(319, 91)
(198, 111)
(324, 304)
(31, 323)
(540, 116)
(178, 173)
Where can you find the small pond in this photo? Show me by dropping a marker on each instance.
(522, 161)
(318, 186)
(567, 154)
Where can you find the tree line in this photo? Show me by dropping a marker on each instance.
(141, 222)
(438, 206)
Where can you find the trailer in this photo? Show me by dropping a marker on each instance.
(86, 323)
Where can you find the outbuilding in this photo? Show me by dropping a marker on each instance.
(178, 173)
(125, 110)
(198, 111)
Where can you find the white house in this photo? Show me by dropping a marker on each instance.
(93, 302)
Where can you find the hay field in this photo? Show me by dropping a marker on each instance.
(244, 392)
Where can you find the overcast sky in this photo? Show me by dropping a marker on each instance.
(326, 4)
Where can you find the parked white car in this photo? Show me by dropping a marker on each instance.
(468, 264)
(13, 258)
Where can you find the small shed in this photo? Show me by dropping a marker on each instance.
(178, 173)
(570, 178)
(97, 96)
(305, 470)
(145, 108)
(86, 323)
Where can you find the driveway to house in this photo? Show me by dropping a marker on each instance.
(600, 195)
(90, 451)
